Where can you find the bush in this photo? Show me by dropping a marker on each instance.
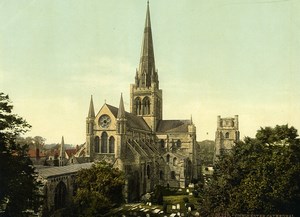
(195, 193)
(185, 199)
(191, 205)
(158, 195)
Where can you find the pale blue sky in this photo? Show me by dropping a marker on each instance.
(214, 57)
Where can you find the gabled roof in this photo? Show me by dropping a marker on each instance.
(165, 126)
(133, 121)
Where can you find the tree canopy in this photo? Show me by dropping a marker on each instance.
(206, 152)
(260, 176)
(18, 185)
(98, 189)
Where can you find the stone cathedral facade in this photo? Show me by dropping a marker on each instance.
(150, 150)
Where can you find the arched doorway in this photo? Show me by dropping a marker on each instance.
(60, 195)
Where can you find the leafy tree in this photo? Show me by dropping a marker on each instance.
(206, 152)
(260, 176)
(18, 185)
(33, 142)
(158, 196)
(98, 189)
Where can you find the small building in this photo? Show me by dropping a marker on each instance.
(59, 185)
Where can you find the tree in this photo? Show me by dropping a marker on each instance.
(98, 189)
(206, 152)
(260, 176)
(32, 142)
(18, 183)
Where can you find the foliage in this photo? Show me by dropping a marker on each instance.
(185, 199)
(260, 176)
(206, 152)
(98, 189)
(158, 197)
(19, 188)
(32, 142)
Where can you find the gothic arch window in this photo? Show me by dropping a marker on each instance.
(104, 142)
(173, 175)
(178, 143)
(146, 106)
(148, 172)
(173, 144)
(97, 144)
(60, 195)
(162, 143)
(227, 135)
(138, 106)
(111, 144)
(158, 106)
(119, 127)
(174, 161)
(168, 158)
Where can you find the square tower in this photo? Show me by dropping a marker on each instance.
(227, 134)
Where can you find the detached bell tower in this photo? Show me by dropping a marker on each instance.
(146, 97)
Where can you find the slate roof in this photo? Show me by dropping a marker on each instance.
(165, 126)
(47, 172)
(133, 121)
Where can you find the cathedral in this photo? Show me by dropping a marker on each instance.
(150, 150)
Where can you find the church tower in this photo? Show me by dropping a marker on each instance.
(227, 134)
(146, 97)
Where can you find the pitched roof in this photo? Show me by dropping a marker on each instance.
(164, 126)
(47, 172)
(71, 152)
(133, 121)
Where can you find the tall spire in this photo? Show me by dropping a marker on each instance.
(91, 109)
(121, 111)
(62, 152)
(147, 71)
